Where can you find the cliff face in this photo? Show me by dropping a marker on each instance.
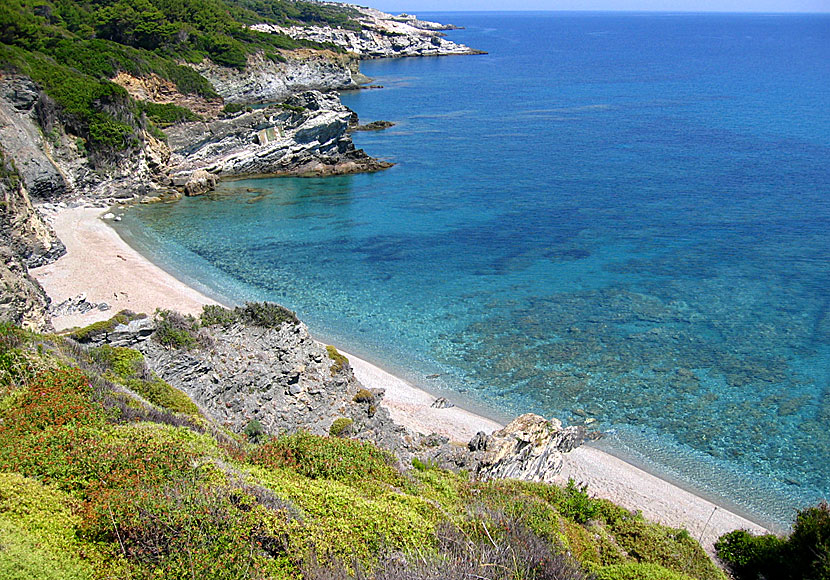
(306, 134)
(266, 81)
(25, 241)
(382, 36)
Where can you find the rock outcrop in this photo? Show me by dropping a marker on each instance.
(22, 300)
(22, 138)
(305, 134)
(264, 80)
(280, 377)
(26, 241)
(530, 448)
(382, 35)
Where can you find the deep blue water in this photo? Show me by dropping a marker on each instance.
(622, 217)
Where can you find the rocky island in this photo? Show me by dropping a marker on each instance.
(179, 444)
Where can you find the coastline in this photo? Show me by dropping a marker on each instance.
(100, 264)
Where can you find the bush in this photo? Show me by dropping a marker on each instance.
(124, 362)
(340, 361)
(363, 396)
(327, 458)
(164, 395)
(230, 109)
(638, 571)
(98, 329)
(577, 504)
(37, 533)
(254, 431)
(340, 427)
(15, 368)
(178, 331)
(261, 314)
(166, 114)
(804, 555)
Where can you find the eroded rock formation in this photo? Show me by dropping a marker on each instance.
(529, 448)
(382, 36)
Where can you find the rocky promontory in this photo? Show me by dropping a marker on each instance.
(242, 367)
(306, 134)
(381, 35)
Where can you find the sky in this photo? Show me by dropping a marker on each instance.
(415, 6)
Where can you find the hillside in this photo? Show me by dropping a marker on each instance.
(108, 471)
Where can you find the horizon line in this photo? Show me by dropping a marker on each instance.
(615, 11)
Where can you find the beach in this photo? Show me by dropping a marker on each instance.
(100, 265)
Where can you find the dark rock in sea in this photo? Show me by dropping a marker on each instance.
(374, 126)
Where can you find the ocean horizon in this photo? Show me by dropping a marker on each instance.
(615, 219)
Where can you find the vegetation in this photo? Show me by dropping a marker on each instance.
(166, 114)
(99, 479)
(339, 361)
(261, 314)
(340, 426)
(363, 396)
(97, 330)
(804, 555)
(179, 331)
(72, 50)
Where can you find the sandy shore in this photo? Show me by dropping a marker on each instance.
(101, 265)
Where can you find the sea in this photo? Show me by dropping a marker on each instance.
(614, 219)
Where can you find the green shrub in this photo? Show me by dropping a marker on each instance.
(318, 457)
(231, 109)
(124, 362)
(254, 431)
(340, 426)
(577, 504)
(164, 395)
(261, 314)
(804, 555)
(340, 361)
(176, 330)
(193, 527)
(37, 533)
(267, 314)
(97, 329)
(637, 571)
(15, 367)
(363, 396)
(215, 315)
(166, 114)
(292, 108)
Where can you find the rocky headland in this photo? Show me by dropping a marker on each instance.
(381, 35)
(186, 136)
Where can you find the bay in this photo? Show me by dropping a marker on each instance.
(615, 216)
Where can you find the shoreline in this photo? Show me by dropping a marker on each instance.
(101, 265)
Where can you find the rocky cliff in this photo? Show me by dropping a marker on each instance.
(307, 134)
(382, 35)
(25, 241)
(265, 80)
(239, 372)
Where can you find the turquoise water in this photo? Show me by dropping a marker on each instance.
(617, 216)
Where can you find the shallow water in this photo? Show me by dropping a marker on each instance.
(612, 217)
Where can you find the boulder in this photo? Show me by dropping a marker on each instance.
(529, 448)
(200, 182)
